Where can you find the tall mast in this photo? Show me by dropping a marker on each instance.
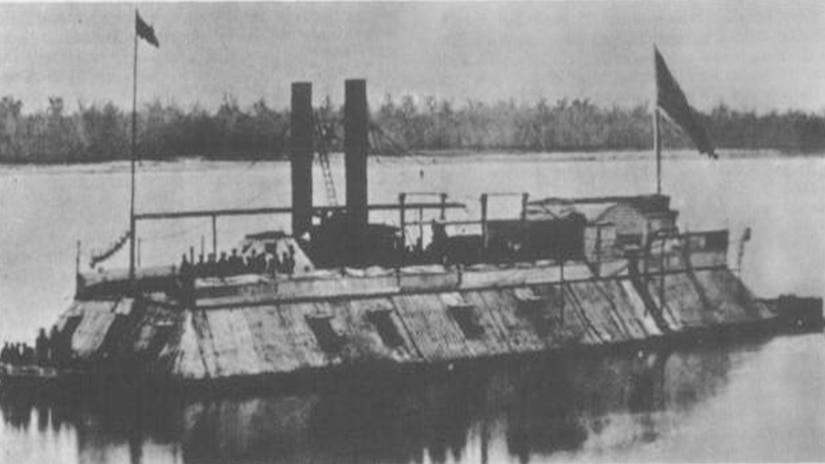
(657, 136)
(657, 147)
(133, 156)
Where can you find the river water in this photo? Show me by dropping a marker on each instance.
(762, 400)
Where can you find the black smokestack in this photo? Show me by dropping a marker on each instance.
(356, 144)
(301, 148)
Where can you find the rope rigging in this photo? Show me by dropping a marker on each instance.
(114, 248)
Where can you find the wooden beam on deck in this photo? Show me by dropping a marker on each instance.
(287, 210)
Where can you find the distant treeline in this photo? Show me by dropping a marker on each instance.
(102, 132)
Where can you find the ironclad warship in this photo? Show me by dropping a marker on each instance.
(341, 293)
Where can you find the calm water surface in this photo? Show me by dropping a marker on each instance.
(760, 401)
(764, 400)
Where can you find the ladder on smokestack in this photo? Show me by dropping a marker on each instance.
(323, 160)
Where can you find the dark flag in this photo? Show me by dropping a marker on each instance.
(746, 235)
(672, 101)
(145, 31)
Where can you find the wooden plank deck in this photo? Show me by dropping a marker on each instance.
(502, 306)
(437, 336)
(363, 340)
(96, 318)
(730, 297)
(707, 298)
(598, 310)
(299, 336)
(272, 344)
(572, 326)
(683, 306)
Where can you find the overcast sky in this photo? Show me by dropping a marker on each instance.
(752, 55)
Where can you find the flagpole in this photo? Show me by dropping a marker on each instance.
(132, 199)
(657, 146)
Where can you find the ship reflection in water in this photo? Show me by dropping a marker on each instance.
(654, 405)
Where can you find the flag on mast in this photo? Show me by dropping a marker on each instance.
(145, 31)
(671, 99)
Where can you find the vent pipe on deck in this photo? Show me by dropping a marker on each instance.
(356, 145)
(301, 148)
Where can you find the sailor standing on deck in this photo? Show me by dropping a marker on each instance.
(252, 261)
(211, 266)
(271, 260)
(41, 348)
(185, 265)
(235, 263)
(223, 266)
(5, 354)
(28, 354)
(200, 267)
(54, 345)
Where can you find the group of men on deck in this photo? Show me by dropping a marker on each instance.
(236, 264)
(49, 350)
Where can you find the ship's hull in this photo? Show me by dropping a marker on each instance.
(255, 330)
